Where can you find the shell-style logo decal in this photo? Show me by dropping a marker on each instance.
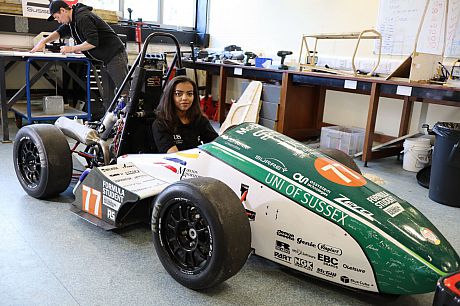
(430, 236)
(338, 173)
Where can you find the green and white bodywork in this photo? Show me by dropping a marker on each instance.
(307, 212)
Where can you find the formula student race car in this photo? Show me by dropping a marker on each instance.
(250, 190)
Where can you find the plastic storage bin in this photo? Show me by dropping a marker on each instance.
(346, 139)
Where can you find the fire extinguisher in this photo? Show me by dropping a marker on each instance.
(138, 32)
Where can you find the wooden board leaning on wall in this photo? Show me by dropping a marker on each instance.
(107, 16)
(15, 7)
(11, 7)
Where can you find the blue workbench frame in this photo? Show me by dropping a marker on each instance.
(29, 116)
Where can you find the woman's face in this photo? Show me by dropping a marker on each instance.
(183, 96)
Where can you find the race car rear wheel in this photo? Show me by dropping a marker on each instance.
(341, 157)
(200, 232)
(42, 160)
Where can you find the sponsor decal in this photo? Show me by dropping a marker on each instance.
(111, 214)
(329, 249)
(338, 173)
(302, 196)
(387, 202)
(353, 268)
(300, 252)
(318, 188)
(91, 201)
(343, 200)
(430, 236)
(187, 173)
(303, 263)
(235, 143)
(326, 272)
(109, 168)
(272, 163)
(294, 147)
(244, 130)
(282, 257)
(345, 279)
(113, 191)
(115, 205)
(283, 247)
(348, 280)
(394, 209)
(300, 178)
(130, 172)
(307, 243)
(328, 260)
(284, 234)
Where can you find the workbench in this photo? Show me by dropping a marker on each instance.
(42, 62)
(303, 94)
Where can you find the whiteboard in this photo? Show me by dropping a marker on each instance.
(399, 20)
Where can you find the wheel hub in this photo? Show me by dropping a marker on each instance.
(29, 162)
(186, 235)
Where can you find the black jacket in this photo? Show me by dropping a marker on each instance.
(187, 136)
(87, 26)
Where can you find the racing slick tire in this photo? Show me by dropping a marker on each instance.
(42, 160)
(200, 232)
(341, 157)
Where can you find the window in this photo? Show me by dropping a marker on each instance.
(171, 13)
(147, 10)
(110, 5)
(179, 12)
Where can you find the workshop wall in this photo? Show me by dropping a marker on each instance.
(264, 27)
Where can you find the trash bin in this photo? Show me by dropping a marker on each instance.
(445, 168)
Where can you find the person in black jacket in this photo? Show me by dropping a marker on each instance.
(93, 37)
(180, 124)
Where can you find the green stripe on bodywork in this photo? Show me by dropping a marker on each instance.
(385, 240)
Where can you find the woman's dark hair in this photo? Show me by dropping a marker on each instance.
(166, 110)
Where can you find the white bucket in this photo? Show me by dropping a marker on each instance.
(417, 154)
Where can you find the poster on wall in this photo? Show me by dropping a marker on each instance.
(39, 8)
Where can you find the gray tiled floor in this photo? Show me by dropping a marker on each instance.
(48, 256)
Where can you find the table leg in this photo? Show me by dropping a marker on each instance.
(285, 83)
(222, 94)
(370, 126)
(4, 102)
(320, 109)
(405, 116)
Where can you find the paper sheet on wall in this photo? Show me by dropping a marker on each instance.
(399, 20)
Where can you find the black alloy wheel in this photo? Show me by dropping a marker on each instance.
(29, 162)
(186, 235)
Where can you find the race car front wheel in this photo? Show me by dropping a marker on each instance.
(42, 160)
(200, 232)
